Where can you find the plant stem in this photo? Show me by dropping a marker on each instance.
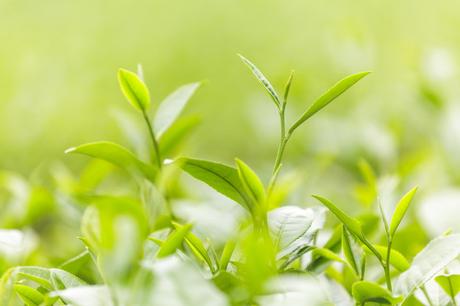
(156, 149)
(283, 138)
(387, 265)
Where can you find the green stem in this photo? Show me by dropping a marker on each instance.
(387, 266)
(156, 149)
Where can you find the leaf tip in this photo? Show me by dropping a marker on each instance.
(70, 150)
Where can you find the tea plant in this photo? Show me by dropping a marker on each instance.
(140, 250)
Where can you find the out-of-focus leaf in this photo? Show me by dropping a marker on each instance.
(134, 90)
(397, 259)
(263, 80)
(251, 183)
(178, 283)
(172, 106)
(429, 262)
(29, 295)
(332, 93)
(364, 291)
(196, 245)
(227, 254)
(176, 134)
(173, 241)
(450, 283)
(96, 295)
(400, 211)
(222, 178)
(117, 155)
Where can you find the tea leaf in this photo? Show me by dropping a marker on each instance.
(134, 90)
(349, 252)
(449, 283)
(173, 137)
(251, 183)
(429, 262)
(263, 80)
(29, 295)
(329, 96)
(227, 254)
(222, 178)
(173, 241)
(196, 245)
(400, 211)
(172, 106)
(117, 155)
(397, 259)
(352, 224)
(364, 291)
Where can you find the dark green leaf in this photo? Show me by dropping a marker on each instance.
(222, 178)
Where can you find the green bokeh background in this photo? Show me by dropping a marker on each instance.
(59, 60)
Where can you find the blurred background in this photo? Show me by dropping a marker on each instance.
(58, 88)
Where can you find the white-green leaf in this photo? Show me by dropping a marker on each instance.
(293, 228)
(222, 178)
(179, 283)
(96, 295)
(172, 106)
(117, 155)
(428, 263)
(134, 90)
(400, 211)
(263, 80)
(329, 96)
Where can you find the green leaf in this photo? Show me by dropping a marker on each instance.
(449, 283)
(134, 90)
(30, 296)
(263, 80)
(327, 254)
(428, 263)
(226, 254)
(222, 178)
(196, 245)
(352, 224)
(251, 183)
(173, 137)
(349, 252)
(364, 291)
(329, 96)
(174, 241)
(397, 259)
(117, 155)
(400, 211)
(172, 106)
(287, 88)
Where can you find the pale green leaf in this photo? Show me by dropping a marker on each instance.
(117, 155)
(134, 90)
(429, 262)
(174, 241)
(449, 283)
(29, 295)
(172, 106)
(332, 93)
(400, 211)
(251, 183)
(263, 80)
(364, 291)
